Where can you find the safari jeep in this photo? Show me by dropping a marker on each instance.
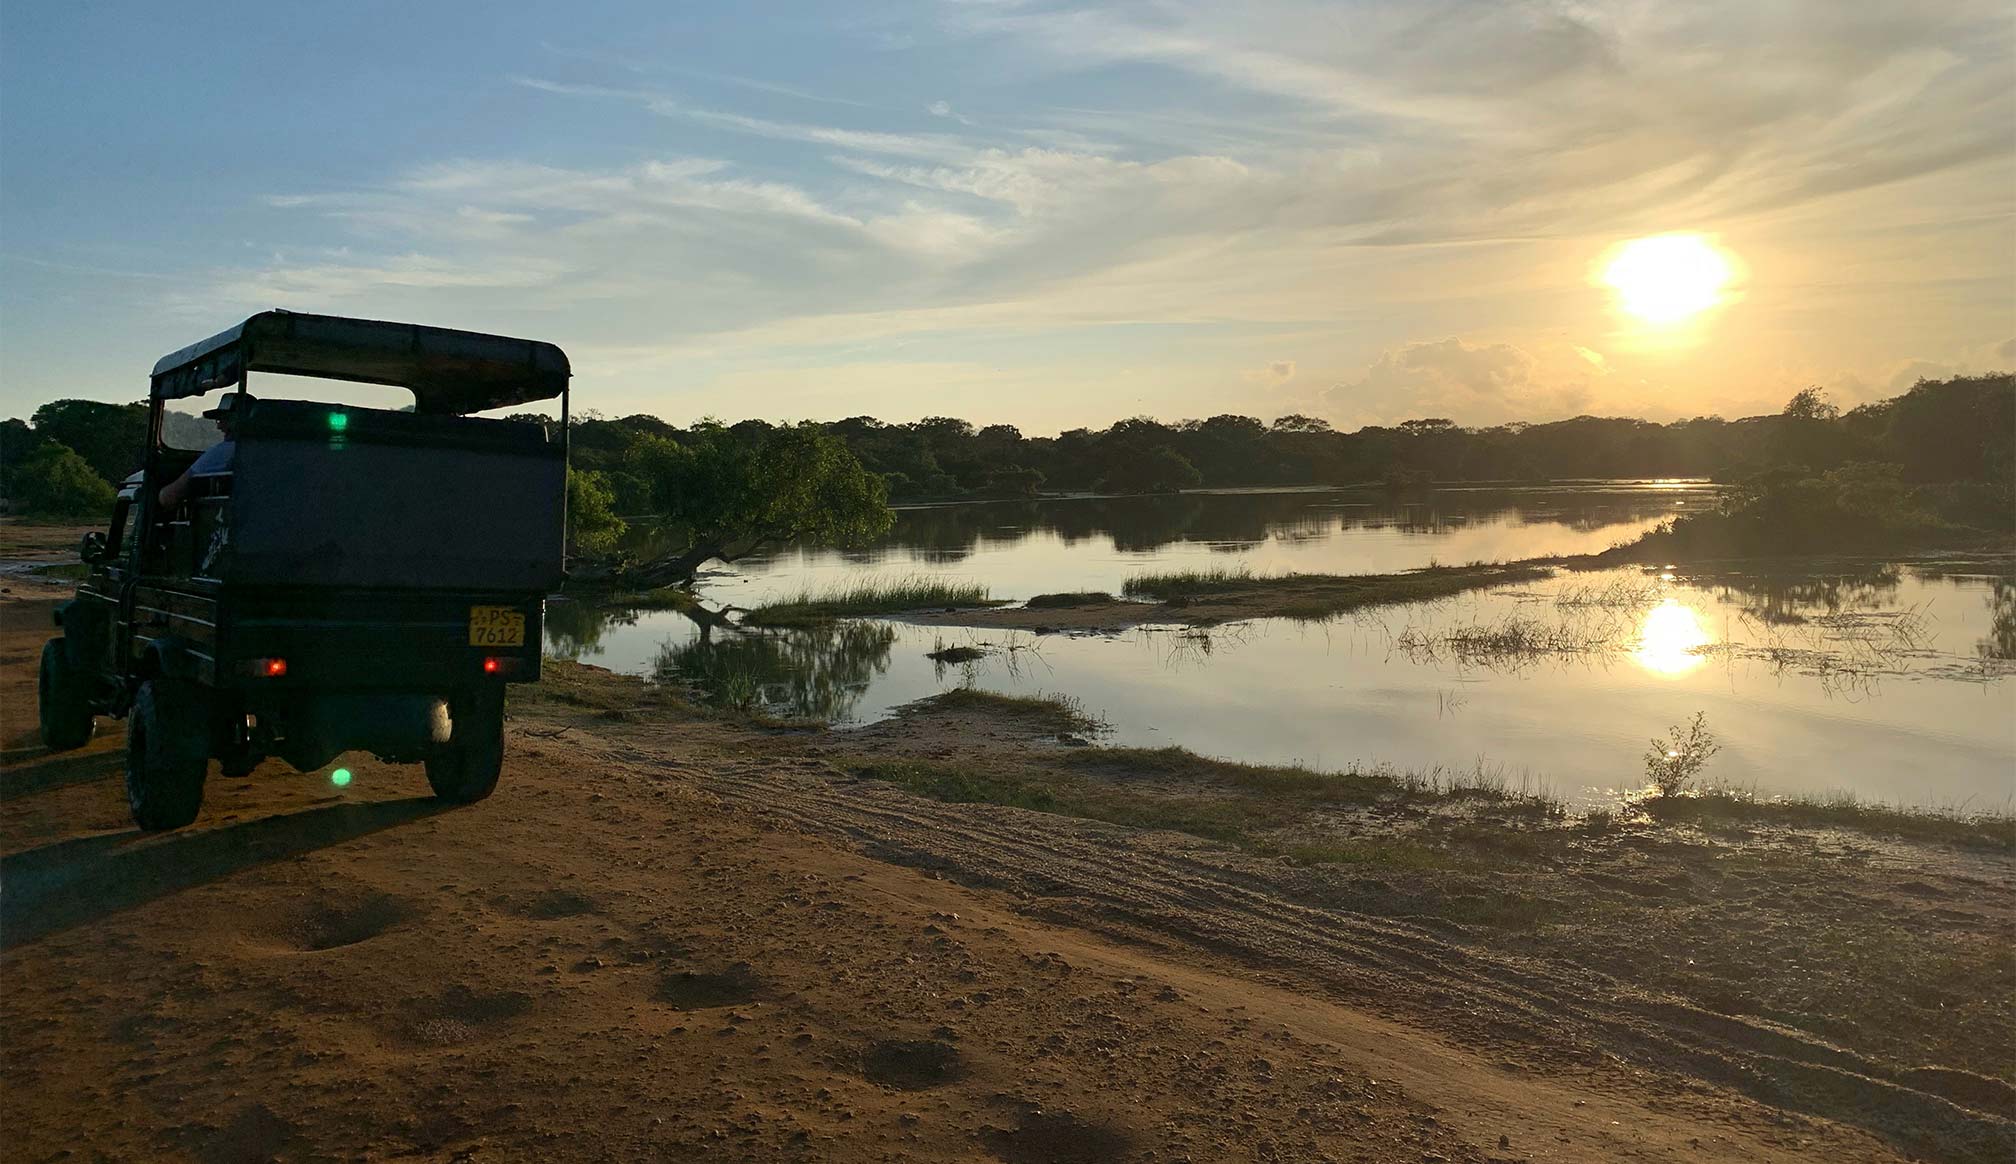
(349, 579)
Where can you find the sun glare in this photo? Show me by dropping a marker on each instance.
(1668, 278)
(1670, 639)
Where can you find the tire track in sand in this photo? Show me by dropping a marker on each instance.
(1132, 884)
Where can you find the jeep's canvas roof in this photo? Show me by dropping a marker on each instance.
(448, 371)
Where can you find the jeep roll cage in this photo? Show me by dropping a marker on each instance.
(449, 372)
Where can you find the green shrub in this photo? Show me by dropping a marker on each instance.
(54, 482)
(1860, 507)
(592, 524)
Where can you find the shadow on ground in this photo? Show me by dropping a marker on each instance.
(58, 771)
(75, 881)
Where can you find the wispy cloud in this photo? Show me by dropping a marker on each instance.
(916, 145)
(648, 68)
(944, 109)
(1734, 107)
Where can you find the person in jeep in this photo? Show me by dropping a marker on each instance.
(215, 459)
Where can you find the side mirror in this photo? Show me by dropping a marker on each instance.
(92, 548)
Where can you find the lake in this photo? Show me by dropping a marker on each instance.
(1888, 682)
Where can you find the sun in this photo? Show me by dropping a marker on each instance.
(1668, 278)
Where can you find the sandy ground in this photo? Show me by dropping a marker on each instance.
(26, 548)
(673, 938)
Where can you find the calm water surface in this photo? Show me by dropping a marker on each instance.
(1020, 549)
(1892, 683)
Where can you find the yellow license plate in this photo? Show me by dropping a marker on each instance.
(496, 626)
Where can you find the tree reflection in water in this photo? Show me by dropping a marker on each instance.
(807, 673)
(2001, 640)
(574, 629)
(944, 534)
(801, 673)
(1791, 599)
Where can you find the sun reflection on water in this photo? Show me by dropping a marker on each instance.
(1670, 639)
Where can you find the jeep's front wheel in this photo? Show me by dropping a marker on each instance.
(167, 754)
(465, 771)
(63, 700)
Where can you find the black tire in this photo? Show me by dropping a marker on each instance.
(167, 754)
(63, 700)
(465, 771)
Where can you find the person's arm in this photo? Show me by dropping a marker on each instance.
(215, 459)
(174, 491)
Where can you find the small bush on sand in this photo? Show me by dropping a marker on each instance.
(1672, 762)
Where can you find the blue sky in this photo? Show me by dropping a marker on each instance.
(1039, 213)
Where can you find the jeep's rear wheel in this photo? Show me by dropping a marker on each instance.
(167, 754)
(465, 771)
(63, 700)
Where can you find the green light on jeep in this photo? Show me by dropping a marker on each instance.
(340, 777)
(338, 421)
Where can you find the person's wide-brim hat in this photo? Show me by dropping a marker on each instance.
(229, 404)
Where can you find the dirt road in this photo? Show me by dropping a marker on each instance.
(672, 938)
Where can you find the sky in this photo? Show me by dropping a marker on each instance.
(1015, 211)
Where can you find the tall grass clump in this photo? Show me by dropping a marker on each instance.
(1990, 829)
(869, 596)
(1618, 594)
(1188, 583)
(1057, 711)
(1068, 599)
(1510, 640)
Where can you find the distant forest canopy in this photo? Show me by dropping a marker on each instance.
(1961, 429)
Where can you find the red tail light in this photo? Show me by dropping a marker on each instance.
(266, 668)
(492, 665)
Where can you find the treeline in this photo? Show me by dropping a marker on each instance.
(1957, 430)
(1962, 429)
(68, 458)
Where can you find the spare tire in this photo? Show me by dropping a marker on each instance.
(465, 770)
